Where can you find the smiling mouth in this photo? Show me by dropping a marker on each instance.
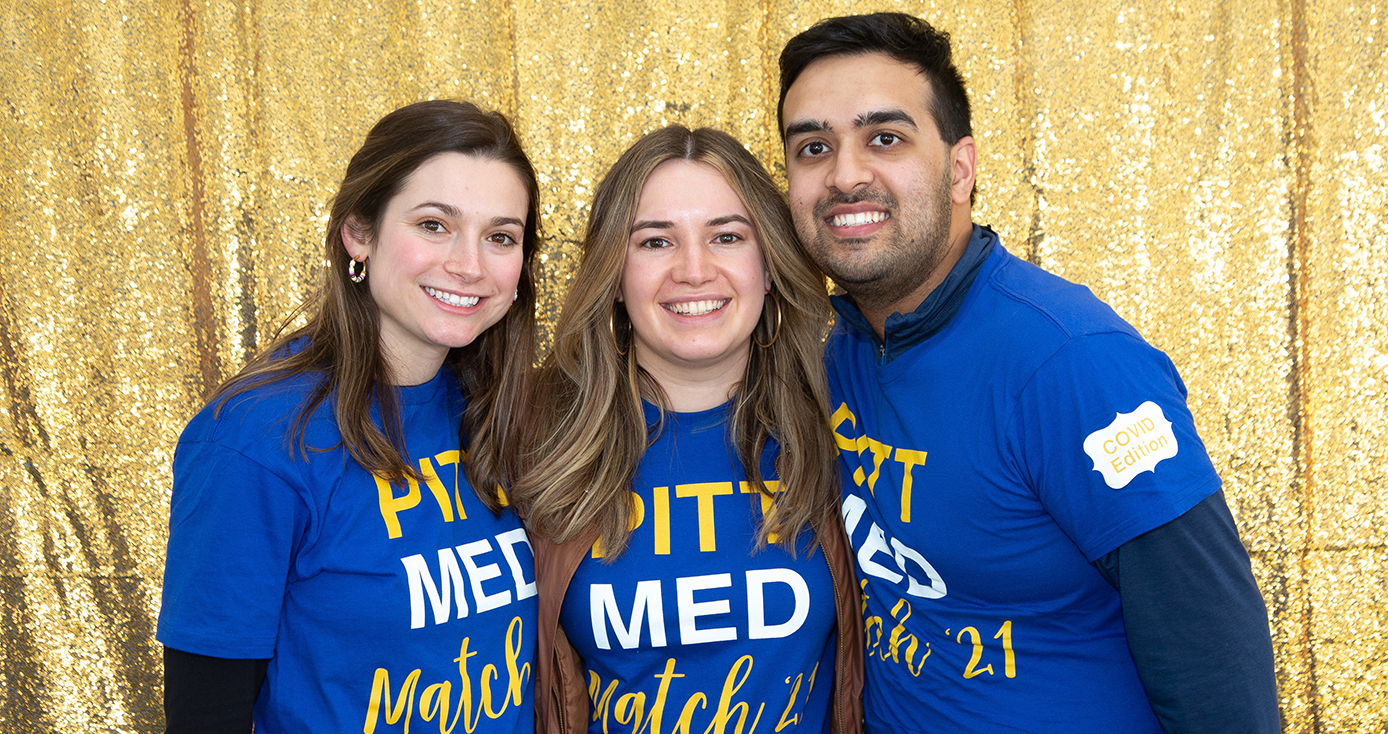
(451, 299)
(858, 219)
(695, 308)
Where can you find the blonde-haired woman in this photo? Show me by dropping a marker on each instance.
(680, 480)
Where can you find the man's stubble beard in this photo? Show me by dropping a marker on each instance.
(881, 270)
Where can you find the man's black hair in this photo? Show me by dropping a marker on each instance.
(905, 38)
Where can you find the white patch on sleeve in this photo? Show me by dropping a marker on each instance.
(1133, 443)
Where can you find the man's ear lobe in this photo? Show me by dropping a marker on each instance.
(963, 157)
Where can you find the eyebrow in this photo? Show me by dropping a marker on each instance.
(805, 127)
(447, 209)
(456, 213)
(664, 224)
(867, 119)
(880, 117)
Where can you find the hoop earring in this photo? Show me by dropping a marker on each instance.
(612, 327)
(776, 331)
(357, 276)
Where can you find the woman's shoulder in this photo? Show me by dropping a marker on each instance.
(266, 410)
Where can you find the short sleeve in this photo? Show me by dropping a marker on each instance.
(1104, 437)
(233, 529)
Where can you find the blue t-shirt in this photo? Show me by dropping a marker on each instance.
(378, 606)
(986, 467)
(688, 630)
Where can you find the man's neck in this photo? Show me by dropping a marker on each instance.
(961, 229)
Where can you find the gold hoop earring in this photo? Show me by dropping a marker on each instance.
(776, 332)
(612, 327)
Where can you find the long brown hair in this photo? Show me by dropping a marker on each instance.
(587, 431)
(342, 335)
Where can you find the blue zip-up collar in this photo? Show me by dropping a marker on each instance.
(904, 331)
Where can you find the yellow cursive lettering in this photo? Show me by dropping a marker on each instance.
(380, 691)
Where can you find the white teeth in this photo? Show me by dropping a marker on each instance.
(696, 308)
(452, 300)
(859, 219)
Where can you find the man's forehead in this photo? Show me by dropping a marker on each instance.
(841, 91)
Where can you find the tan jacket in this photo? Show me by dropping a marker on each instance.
(561, 687)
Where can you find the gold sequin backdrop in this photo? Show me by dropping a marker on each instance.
(1214, 170)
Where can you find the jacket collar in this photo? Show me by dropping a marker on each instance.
(904, 331)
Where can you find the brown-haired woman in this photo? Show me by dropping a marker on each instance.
(679, 479)
(334, 563)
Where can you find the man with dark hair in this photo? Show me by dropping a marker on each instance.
(1042, 540)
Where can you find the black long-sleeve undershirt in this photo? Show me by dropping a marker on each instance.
(1197, 625)
(207, 695)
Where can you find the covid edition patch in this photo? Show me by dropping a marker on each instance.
(1133, 443)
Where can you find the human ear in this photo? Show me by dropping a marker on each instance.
(963, 157)
(354, 238)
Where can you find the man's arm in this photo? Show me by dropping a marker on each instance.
(207, 695)
(1196, 624)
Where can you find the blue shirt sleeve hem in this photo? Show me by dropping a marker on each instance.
(1181, 503)
(220, 647)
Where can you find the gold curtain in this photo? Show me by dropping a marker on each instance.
(1214, 170)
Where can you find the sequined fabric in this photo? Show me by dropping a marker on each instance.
(1214, 170)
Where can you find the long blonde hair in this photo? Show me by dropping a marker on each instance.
(343, 330)
(587, 431)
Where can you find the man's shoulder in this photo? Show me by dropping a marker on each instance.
(1031, 300)
(1021, 318)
